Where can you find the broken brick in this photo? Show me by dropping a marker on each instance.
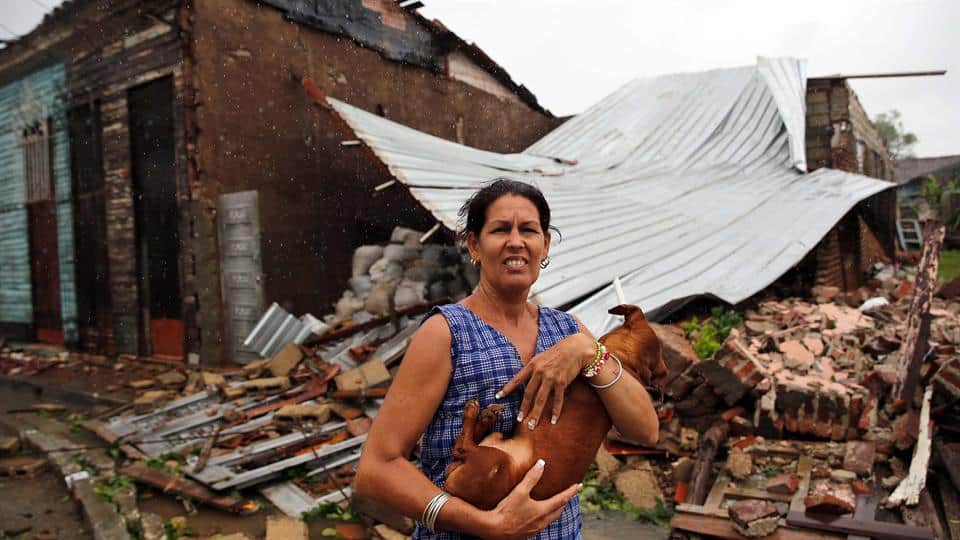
(859, 457)
(739, 464)
(829, 498)
(786, 483)
(754, 517)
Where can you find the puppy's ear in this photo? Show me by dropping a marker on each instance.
(625, 310)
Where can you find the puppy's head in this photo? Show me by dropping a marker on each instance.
(637, 346)
(482, 476)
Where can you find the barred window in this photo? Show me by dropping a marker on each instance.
(35, 140)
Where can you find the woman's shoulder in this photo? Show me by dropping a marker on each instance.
(566, 322)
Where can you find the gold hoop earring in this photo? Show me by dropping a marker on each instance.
(474, 262)
(545, 262)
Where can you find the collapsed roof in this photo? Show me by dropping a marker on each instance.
(682, 185)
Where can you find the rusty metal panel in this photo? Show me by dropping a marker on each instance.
(240, 268)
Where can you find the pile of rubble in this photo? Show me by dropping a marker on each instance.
(794, 417)
(789, 417)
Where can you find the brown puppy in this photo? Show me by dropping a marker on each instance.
(485, 468)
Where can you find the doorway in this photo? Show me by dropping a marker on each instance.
(153, 174)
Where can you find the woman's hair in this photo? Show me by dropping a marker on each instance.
(473, 213)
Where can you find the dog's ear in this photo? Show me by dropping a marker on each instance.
(624, 309)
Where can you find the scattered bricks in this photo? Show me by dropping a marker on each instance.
(754, 517)
(820, 470)
(813, 343)
(796, 356)
(141, 384)
(267, 384)
(681, 385)
(689, 439)
(312, 412)
(9, 446)
(678, 355)
(731, 375)
(639, 486)
(212, 379)
(946, 382)
(741, 427)
(905, 429)
(345, 531)
(903, 290)
(283, 363)
(786, 484)
(19, 466)
(859, 457)
(739, 464)
(369, 374)
(829, 498)
(843, 476)
(760, 328)
(151, 400)
(171, 379)
(825, 292)
(861, 488)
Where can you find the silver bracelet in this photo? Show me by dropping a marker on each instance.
(430, 513)
(615, 379)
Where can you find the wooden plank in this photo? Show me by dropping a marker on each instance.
(849, 525)
(804, 466)
(914, 346)
(723, 528)
(709, 444)
(910, 487)
(169, 483)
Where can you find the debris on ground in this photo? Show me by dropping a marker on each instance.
(771, 416)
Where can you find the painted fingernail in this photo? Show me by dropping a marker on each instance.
(531, 424)
(520, 416)
(540, 463)
(553, 419)
(498, 395)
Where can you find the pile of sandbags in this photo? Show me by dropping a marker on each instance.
(403, 273)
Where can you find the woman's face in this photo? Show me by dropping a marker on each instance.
(511, 244)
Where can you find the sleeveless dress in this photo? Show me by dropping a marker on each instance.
(483, 361)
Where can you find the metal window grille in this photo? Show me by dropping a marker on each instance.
(35, 140)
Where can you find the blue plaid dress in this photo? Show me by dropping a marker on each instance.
(484, 360)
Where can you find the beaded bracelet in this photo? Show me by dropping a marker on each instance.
(599, 360)
(615, 379)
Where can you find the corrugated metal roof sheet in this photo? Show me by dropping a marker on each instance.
(682, 185)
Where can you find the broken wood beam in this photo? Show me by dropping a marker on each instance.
(207, 449)
(914, 344)
(910, 487)
(949, 454)
(169, 483)
(710, 442)
(879, 530)
(336, 335)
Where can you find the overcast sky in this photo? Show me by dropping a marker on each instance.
(571, 53)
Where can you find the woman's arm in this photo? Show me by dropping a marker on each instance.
(386, 475)
(549, 373)
(627, 402)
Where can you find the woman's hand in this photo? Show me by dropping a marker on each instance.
(549, 373)
(519, 516)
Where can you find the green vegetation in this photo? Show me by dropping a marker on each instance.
(107, 490)
(708, 336)
(897, 140)
(598, 496)
(161, 463)
(949, 265)
(330, 511)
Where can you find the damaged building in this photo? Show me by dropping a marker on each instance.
(185, 175)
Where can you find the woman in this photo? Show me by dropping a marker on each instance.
(486, 347)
